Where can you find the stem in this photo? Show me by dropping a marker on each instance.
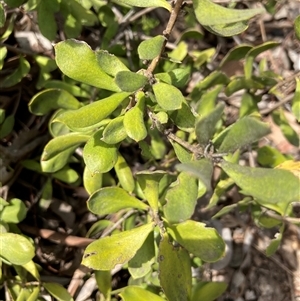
(173, 17)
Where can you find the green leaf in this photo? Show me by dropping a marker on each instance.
(115, 131)
(124, 174)
(67, 175)
(249, 104)
(265, 185)
(14, 3)
(136, 293)
(203, 242)
(90, 115)
(134, 119)
(107, 252)
(245, 131)
(202, 169)
(17, 75)
(253, 53)
(46, 9)
(77, 60)
(167, 96)
(149, 183)
(58, 161)
(184, 118)
(129, 81)
(240, 82)
(52, 99)
(174, 270)
(206, 125)
(151, 48)
(296, 99)
(15, 212)
(290, 134)
(140, 265)
(61, 143)
(232, 21)
(2, 16)
(181, 153)
(235, 54)
(3, 53)
(268, 156)
(208, 291)
(275, 243)
(145, 3)
(181, 198)
(69, 87)
(109, 200)
(99, 156)
(32, 268)
(104, 279)
(19, 252)
(7, 126)
(297, 27)
(109, 63)
(57, 291)
(213, 79)
(176, 77)
(91, 182)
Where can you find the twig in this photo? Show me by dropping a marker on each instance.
(173, 17)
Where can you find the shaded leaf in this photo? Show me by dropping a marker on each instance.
(77, 60)
(124, 174)
(265, 185)
(296, 98)
(236, 53)
(90, 115)
(109, 200)
(202, 169)
(107, 252)
(17, 75)
(140, 265)
(181, 198)
(203, 242)
(52, 99)
(297, 27)
(245, 131)
(206, 125)
(174, 270)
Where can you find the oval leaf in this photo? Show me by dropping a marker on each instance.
(245, 131)
(52, 99)
(208, 291)
(92, 182)
(203, 242)
(90, 115)
(136, 293)
(265, 185)
(129, 81)
(19, 252)
(134, 120)
(15, 212)
(77, 60)
(115, 131)
(174, 270)
(167, 96)
(61, 143)
(151, 48)
(99, 156)
(181, 199)
(107, 252)
(109, 200)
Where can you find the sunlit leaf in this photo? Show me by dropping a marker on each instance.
(57, 291)
(149, 49)
(107, 252)
(109, 200)
(145, 3)
(136, 293)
